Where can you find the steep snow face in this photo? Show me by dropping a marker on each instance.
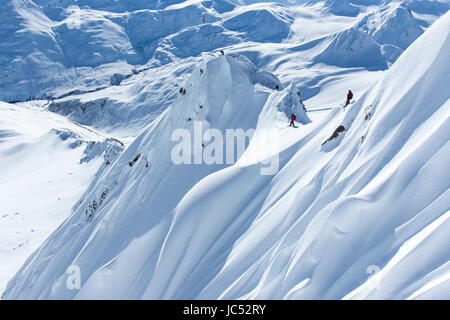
(220, 95)
(30, 51)
(395, 25)
(145, 28)
(132, 101)
(95, 40)
(221, 6)
(276, 24)
(124, 111)
(204, 38)
(429, 7)
(366, 2)
(40, 53)
(343, 8)
(255, 75)
(291, 104)
(319, 227)
(417, 123)
(59, 46)
(352, 48)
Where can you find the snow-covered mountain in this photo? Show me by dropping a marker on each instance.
(309, 212)
(46, 163)
(61, 49)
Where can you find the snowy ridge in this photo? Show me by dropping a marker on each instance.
(291, 104)
(352, 48)
(117, 66)
(357, 203)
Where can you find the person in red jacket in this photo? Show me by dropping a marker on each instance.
(293, 117)
(349, 97)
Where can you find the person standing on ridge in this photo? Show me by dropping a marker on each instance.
(349, 97)
(293, 117)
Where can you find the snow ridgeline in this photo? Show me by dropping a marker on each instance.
(317, 229)
(109, 148)
(220, 94)
(117, 66)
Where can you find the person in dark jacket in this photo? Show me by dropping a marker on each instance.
(293, 117)
(349, 97)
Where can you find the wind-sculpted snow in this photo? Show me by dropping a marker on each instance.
(28, 51)
(429, 7)
(352, 48)
(367, 218)
(396, 25)
(97, 40)
(345, 204)
(221, 6)
(261, 25)
(145, 28)
(203, 38)
(220, 96)
(385, 26)
(255, 75)
(366, 2)
(292, 104)
(343, 8)
(89, 113)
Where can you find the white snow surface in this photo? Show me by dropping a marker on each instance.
(364, 215)
(46, 164)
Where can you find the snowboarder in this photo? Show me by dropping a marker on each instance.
(349, 97)
(293, 117)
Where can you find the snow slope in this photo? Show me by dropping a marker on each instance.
(352, 48)
(336, 211)
(47, 163)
